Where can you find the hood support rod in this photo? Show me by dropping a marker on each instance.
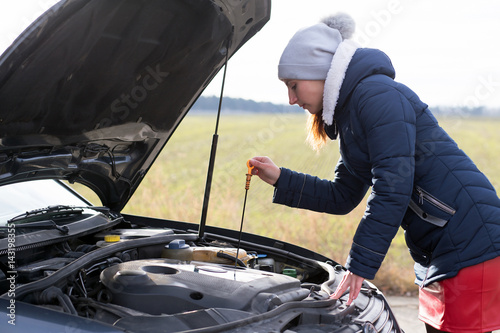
(210, 172)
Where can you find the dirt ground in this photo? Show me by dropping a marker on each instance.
(406, 311)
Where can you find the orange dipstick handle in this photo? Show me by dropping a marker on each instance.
(249, 175)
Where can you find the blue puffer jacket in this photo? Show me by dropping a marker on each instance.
(419, 178)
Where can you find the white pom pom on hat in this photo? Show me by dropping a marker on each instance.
(341, 22)
(309, 53)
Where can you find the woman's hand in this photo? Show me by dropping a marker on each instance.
(265, 168)
(351, 281)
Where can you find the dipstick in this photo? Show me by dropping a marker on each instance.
(249, 175)
(247, 187)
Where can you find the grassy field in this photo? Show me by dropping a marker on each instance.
(174, 186)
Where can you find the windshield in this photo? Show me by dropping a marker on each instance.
(22, 197)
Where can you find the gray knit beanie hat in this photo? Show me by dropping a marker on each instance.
(309, 53)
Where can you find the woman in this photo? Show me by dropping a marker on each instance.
(419, 178)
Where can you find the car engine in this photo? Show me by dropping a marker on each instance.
(167, 280)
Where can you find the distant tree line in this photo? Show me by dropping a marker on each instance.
(479, 111)
(234, 105)
(241, 105)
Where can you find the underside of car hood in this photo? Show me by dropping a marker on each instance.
(92, 90)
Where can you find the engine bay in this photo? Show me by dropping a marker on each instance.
(140, 279)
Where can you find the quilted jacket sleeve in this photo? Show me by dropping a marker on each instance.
(388, 126)
(339, 196)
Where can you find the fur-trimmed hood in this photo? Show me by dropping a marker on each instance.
(350, 65)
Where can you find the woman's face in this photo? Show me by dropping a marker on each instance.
(308, 94)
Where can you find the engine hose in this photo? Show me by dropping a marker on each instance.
(267, 315)
(221, 254)
(53, 293)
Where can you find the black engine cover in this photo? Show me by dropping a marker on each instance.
(165, 286)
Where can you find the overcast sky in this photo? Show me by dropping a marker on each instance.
(448, 51)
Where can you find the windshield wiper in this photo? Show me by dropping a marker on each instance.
(46, 224)
(46, 212)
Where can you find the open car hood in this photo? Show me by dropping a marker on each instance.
(92, 90)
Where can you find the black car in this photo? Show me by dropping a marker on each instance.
(90, 93)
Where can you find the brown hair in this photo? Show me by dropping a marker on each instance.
(316, 134)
